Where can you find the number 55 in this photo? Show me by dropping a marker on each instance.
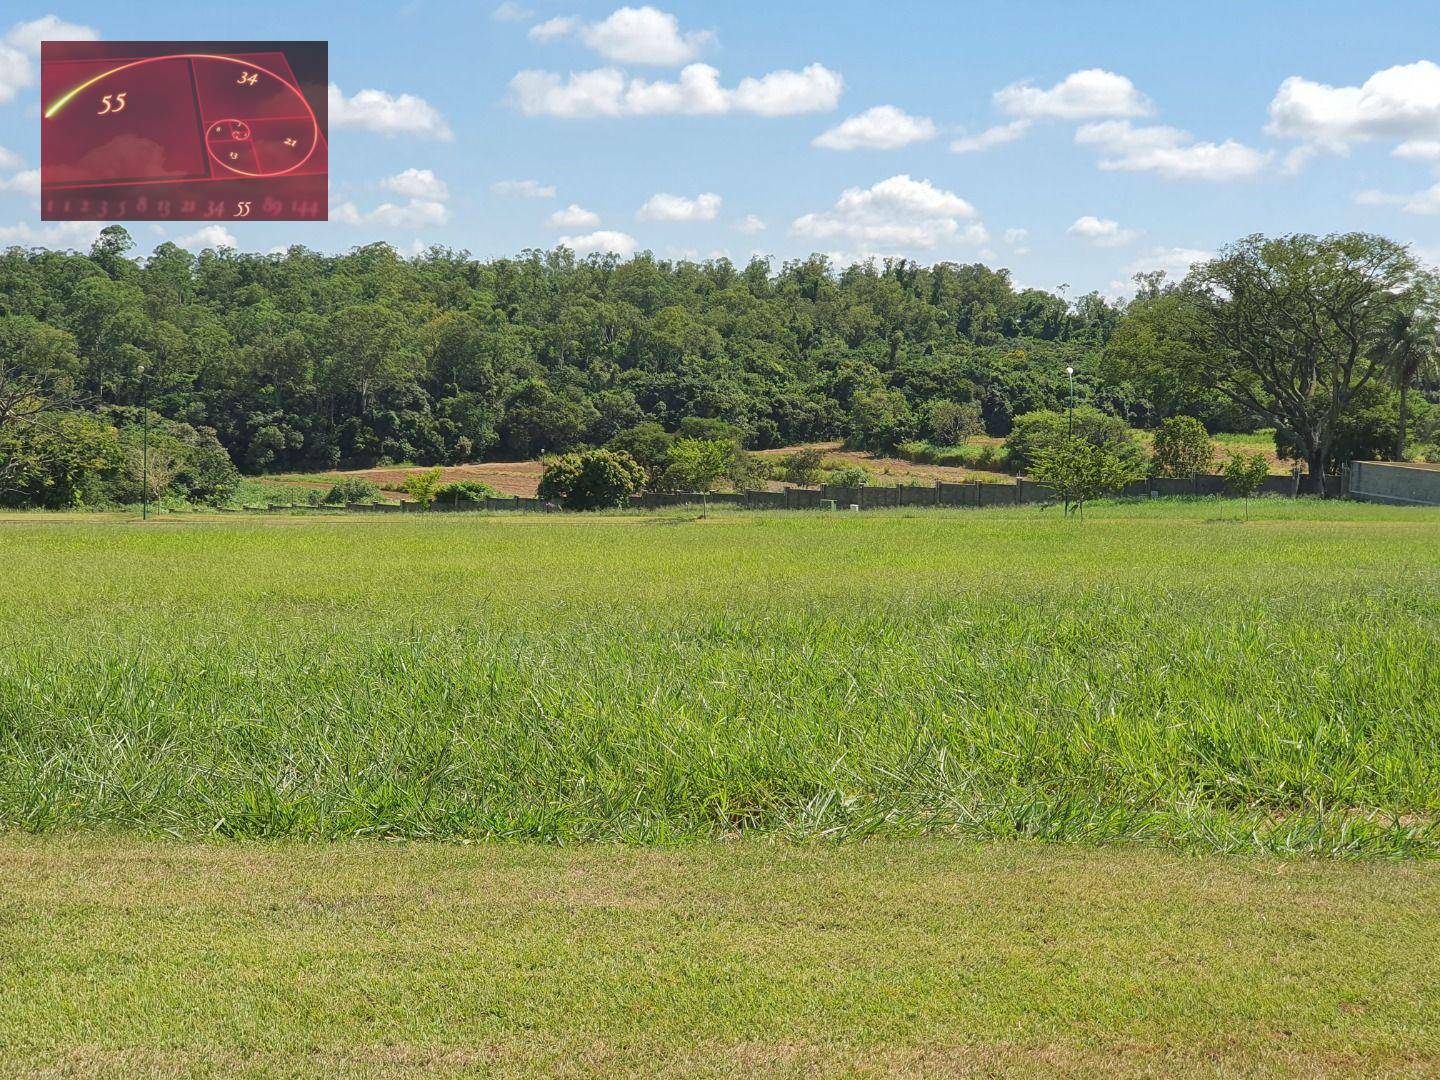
(118, 105)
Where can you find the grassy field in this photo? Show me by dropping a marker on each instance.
(752, 958)
(1155, 673)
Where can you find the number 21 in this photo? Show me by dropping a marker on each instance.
(118, 105)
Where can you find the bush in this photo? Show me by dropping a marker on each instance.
(1182, 448)
(1036, 432)
(880, 420)
(422, 486)
(464, 492)
(849, 476)
(649, 444)
(950, 423)
(591, 479)
(801, 467)
(984, 456)
(352, 489)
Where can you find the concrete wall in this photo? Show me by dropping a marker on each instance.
(1393, 482)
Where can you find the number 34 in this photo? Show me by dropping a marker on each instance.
(117, 105)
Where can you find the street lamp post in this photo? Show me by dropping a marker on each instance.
(144, 447)
(1070, 371)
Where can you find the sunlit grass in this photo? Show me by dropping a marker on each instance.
(1160, 672)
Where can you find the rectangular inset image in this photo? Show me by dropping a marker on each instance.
(166, 130)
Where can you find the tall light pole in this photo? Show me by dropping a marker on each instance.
(144, 447)
(1070, 371)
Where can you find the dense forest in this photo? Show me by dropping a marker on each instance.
(309, 360)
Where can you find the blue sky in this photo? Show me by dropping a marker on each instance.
(1071, 142)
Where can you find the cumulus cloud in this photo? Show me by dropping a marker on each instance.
(21, 45)
(208, 236)
(666, 207)
(992, 136)
(417, 184)
(610, 92)
(644, 35)
(387, 114)
(26, 182)
(602, 240)
(8, 159)
(1175, 261)
(522, 189)
(1421, 202)
(1168, 151)
(1418, 150)
(1081, 95)
(69, 234)
(894, 215)
(553, 29)
(509, 11)
(1401, 102)
(883, 127)
(1016, 239)
(574, 217)
(415, 214)
(1102, 232)
(750, 224)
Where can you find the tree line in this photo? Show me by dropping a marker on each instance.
(305, 360)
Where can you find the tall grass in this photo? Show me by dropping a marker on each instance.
(1157, 673)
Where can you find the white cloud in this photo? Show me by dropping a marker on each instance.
(522, 189)
(1016, 236)
(697, 91)
(574, 217)
(553, 29)
(417, 184)
(208, 236)
(1168, 151)
(1418, 150)
(750, 224)
(509, 11)
(644, 35)
(883, 127)
(1102, 232)
(415, 214)
(665, 207)
(76, 234)
(602, 240)
(8, 159)
(893, 215)
(1175, 261)
(1422, 202)
(26, 183)
(1401, 102)
(387, 114)
(21, 45)
(992, 136)
(1081, 95)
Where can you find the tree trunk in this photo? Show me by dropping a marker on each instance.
(1315, 480)
(1400, 442)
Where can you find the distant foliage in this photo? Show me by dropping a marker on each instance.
(591, 479)
(1038, 432)
(951, 423)
(800, 467)
(1182, 448)
(463, 492)
(850, 476)
(422, 486)
(697, 464)
(352, 489)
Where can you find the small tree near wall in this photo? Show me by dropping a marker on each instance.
(1244, 473)
(1079, 471)
(1182, 448)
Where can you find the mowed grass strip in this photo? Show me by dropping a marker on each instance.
(1155, 673)
(753, 958)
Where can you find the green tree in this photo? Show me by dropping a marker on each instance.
(591, 479)
(1244, 473)
(422, 486)
(880, 420)
(1035, 432)
(952, 423)
(1079, 471)
(1182, 447)
(1290, 328)
(802, 466)
(697, 464)
(1412, 350)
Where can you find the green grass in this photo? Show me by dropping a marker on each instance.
(754, 958)
(1158, 673)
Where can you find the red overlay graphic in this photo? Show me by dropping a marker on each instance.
(196, 131)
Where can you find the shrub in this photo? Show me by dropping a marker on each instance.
(1244, 473)
(1036, 432)
(591, 479)
(849, 476)
(352, 489)
(1182, 448)
(880, 420)
(801, 467)
(463, 492)
(648, 443)
(950, 423)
